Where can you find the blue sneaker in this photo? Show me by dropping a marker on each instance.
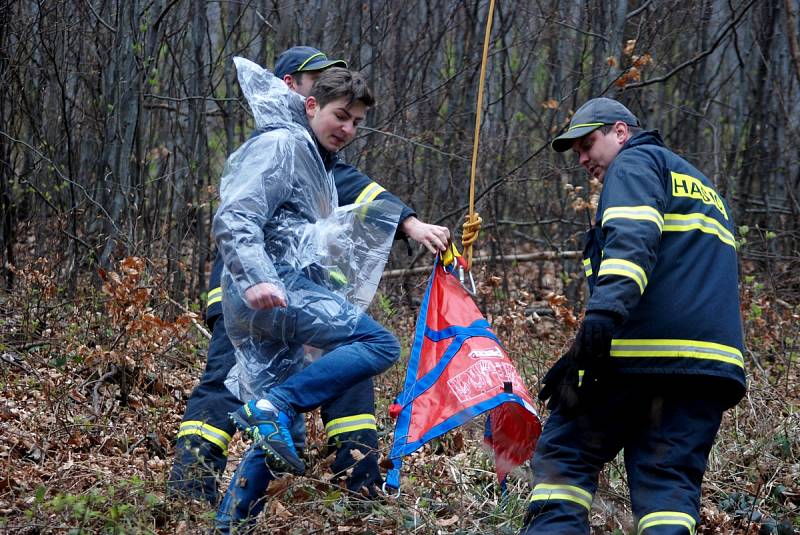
(270, 431)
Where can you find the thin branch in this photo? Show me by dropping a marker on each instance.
(185, 99)
(196, 323)
(528, 257)
(698, 57)
(64, 177)
(638, 10)
(98, 17)
(411, 141)
(584, 32)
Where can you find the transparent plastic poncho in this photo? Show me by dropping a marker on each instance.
(279, 222)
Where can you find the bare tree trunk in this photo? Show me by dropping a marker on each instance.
(791, 34)
(122, 85)
(8, 220)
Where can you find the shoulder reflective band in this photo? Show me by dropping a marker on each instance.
(666, 518)
(692, 349)
(623, 268)
(703, 223)
(641, 213)
(208, 432)
(214, 296)
(349, 424)
(545, 492)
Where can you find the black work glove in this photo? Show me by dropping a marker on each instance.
(592, 351)
(563, 385)
(593, 341)
(561, 382)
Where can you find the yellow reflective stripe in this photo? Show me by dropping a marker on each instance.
(371, 197)
(587, 266)
(696, 221)
(584, 124)
(348, 424)
(667, 518)
(641, 213)
(337, 277)
(623, 268)
(214, 296)
(369, 193)
(570, 493)
(693, 349)
(208, 432)
(318, 54)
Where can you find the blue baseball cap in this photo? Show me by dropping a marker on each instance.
(303, 59)
(591, 116)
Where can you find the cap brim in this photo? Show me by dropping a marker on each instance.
(323, 64)
(564, 142)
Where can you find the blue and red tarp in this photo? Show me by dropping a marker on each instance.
(457, 370)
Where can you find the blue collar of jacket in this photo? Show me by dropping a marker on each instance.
(647, 137)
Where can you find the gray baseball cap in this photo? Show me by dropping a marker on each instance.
(591, 116)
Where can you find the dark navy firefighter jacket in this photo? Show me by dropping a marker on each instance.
(662, 256)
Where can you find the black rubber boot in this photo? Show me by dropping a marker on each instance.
(196, 469)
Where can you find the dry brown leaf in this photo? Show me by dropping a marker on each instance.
(629, 46)
(280, 485)
(641, 61)
(444, 522)
(458, 441)
(277, 509)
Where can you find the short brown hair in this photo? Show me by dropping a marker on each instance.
(336, 82)
(632, 130)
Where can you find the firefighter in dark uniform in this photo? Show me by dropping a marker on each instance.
(206, 429)
(659, 355)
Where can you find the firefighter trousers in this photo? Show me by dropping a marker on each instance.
(665, 431)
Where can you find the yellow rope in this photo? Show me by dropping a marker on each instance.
(470, 230)
(472, 225)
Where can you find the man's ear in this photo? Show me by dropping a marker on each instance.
(311, 107)
(622, 132)
(288, 79)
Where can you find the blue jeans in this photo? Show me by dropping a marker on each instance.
(246, 494)
(356, 347)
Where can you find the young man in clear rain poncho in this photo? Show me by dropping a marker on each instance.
(349, 419)
(298, 268)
